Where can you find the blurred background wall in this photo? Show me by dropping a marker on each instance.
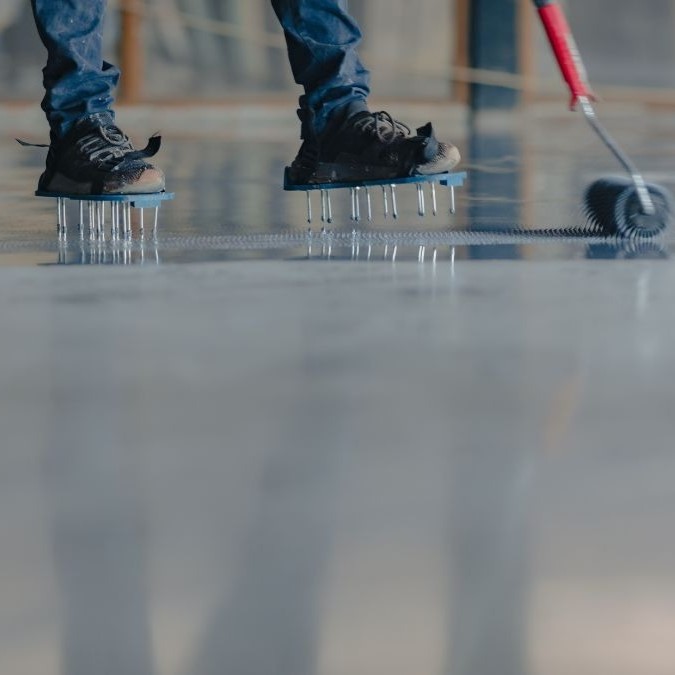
(215, 50)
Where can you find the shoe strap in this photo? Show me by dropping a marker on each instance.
(149, 150)
(26, 144)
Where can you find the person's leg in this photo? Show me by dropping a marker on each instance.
(77, 80)
(88, 154)
(322, 40)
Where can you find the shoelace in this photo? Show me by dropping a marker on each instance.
(105, 145)
(383, 125)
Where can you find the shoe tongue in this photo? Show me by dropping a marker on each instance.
(356, 117)
(102, 119)
(344, 121)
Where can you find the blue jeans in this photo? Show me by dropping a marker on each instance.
(321, 36)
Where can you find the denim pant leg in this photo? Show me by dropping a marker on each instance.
(322, 39)
(77, 80)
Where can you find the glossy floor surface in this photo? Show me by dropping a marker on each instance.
(259, 463)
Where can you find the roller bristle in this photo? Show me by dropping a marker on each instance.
(612, 207)
(600, 201)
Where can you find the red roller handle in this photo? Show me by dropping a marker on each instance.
(565, 49)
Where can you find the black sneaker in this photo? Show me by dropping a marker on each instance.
(95, 157)
(369, 146)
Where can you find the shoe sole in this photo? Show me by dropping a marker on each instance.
(446, 159)
(151, 180)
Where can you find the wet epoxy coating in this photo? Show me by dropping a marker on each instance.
(337, 467)
(524, 174)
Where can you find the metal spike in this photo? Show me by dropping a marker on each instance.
(62, 224)
(370, 250)
(309, 207)
(352, 196)
(142, 224)
(369, 205)
(90, 214)
(154, 227)
(99, 220)
(385, 198)
(452, 199)
(80, 222)
(330, 206)
(434, 203)
(394, 206)
(435, 254)
(393, 255)
(114, 220)
(357, 198)
(420, 200)
(354, 252)
(323, 205)
(386, 251)
(309, 237)
(125, 223)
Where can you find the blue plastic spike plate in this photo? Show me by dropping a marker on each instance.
(138, 201)
(450, 179)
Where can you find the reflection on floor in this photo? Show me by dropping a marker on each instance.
(522, 178)
(298, 465)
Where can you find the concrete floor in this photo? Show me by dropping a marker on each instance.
(292, 466)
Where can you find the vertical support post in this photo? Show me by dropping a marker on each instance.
(526, 49)
(505, 187)
(493, 45)
(460, 58)
(131, 51)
